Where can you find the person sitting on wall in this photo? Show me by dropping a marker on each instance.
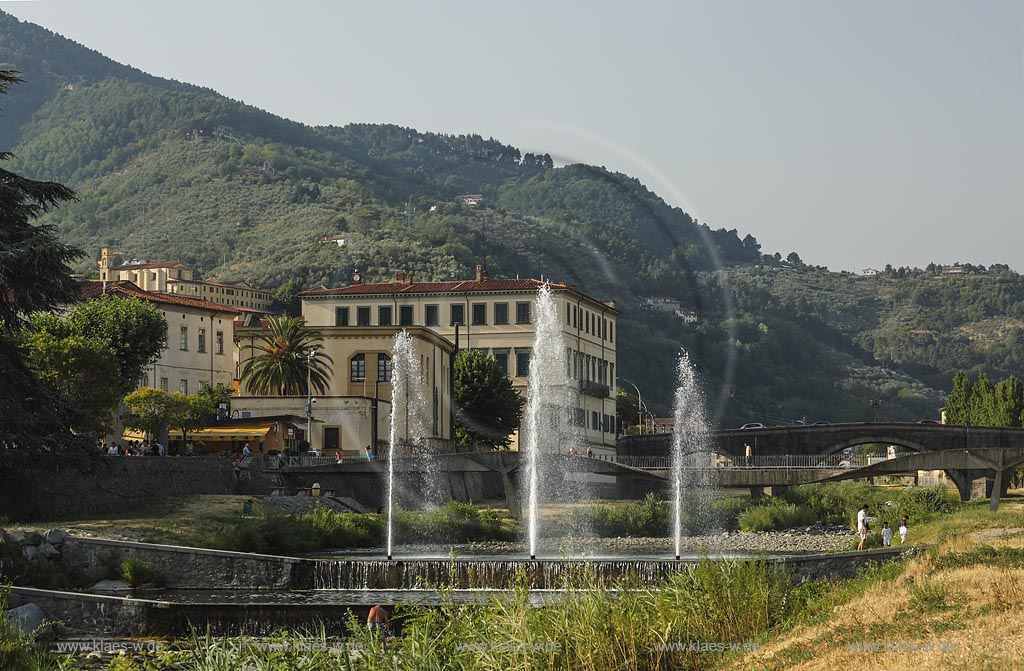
(369, 454)
(338, 458)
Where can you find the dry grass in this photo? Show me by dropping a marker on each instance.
(967, 617)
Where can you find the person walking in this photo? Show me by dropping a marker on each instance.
(903, 529)
(862, 526)
(749, 455)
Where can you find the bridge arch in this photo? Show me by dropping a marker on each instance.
(898, 441)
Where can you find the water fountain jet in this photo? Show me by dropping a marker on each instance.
(691, 453)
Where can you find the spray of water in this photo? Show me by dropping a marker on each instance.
(407, 415)
(546, 406)
(691, 451)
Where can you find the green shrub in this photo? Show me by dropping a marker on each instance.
(650, 517)
(775, 516)
(729, 509)
(137, 572)
(286, 535)
(346, 530)
(454, 522)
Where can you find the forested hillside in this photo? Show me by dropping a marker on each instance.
(168, 171)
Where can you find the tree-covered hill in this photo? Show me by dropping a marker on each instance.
(166, 170)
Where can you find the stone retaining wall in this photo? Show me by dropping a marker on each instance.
(78, 613)
(194, 568)
(185, 568)
(109, 483)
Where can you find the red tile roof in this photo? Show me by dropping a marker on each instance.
(94, 289)
(146, 266)
(453, 287)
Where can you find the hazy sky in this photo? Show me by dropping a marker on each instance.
(857, 134)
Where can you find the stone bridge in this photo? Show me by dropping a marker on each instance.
(832, 438)
(937, 446)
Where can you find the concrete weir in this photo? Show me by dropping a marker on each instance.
(258, 593)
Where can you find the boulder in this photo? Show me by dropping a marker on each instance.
(56, 536)
(110, 587)
(16, 536)
(31, 551)
(50, 551)
(31, 537)
(27, 618)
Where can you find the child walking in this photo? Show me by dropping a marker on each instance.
(903, 529)
(886, 535)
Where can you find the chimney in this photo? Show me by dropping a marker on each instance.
(357, 278)
(481, 273)
(400, 277)
(408, 278)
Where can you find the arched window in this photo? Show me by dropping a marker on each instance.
(358, 367)
(383, 368)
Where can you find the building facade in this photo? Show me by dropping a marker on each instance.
(496, 317)
(174, 277)
(199, 338)
(354, 412)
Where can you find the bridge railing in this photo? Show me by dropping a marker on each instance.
(780, 461)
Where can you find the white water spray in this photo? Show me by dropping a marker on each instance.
(546, 404)
(691, 452)
(407, 413)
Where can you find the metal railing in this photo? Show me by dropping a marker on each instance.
(780, 461)
(650, 462)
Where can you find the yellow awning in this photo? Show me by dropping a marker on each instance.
(225, 432)
(134, 434)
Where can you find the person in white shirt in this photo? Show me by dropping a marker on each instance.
(886, 535)
(903, 530)
(862, 526)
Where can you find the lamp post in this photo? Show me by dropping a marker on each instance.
(875, 405)
(641, 408)
(309, 395)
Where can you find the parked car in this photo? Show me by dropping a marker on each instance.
(927, 421)
(822, 422)
(753, 425)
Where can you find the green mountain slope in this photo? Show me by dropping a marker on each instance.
(165, 170)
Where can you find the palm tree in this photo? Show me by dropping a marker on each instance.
(285, 358)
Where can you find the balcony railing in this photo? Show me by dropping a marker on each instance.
(595, 389)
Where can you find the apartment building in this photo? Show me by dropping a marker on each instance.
(495, 316)
(174, 277)
(354, 411)
(199, 337)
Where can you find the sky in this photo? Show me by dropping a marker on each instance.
(856, 134)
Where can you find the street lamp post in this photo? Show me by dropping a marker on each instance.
(641, 408)
(875, 405)
(309, 395)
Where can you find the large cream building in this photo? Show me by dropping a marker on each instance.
(174, 277)
(354, 412)
(495, 316)
(199, 338)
